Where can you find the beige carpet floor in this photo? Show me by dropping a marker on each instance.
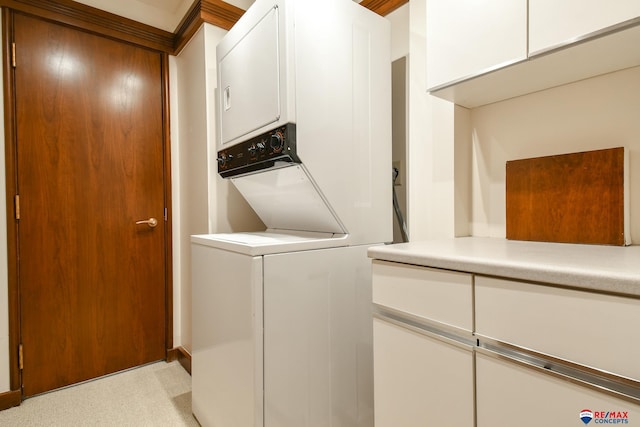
(158, 394)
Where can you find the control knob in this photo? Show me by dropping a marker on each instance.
(224, 159)
(277, 142)
(261, 146)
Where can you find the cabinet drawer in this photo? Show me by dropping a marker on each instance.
(587, 328)
(439, 295)
(509, 394)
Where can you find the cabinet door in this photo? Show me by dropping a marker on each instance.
(509, 394)
(420, 380)
(553, 23)
(469, 37)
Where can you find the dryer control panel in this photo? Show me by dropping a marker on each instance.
(276, 148)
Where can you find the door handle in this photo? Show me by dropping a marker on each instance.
(151, 222)
(227, 98)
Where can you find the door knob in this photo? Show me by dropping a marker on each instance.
(151, 222)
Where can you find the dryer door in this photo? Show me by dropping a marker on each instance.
(249, 80)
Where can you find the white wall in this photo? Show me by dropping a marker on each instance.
(189, 173)
(400, 106)
(202, 201)
(601, 112)
(431, 210)
(399, 128)
(431, 153)
(399, 19)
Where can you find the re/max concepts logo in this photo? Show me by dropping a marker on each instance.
(604, 417)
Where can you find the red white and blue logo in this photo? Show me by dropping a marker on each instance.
(604, 417)
(586, 416)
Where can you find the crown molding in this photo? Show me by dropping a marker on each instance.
(383, 7)
(215, 12)
(95, 20)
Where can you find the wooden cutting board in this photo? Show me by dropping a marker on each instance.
(568, 198)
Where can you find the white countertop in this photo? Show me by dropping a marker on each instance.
(605, 268)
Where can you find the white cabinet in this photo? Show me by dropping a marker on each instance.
(463, 349)
(553, 23)
(423, 346)
(469, 37)
(509, 393)
(420, 379)
(484, 52)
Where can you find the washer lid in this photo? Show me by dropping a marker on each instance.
(269, 242)
(288, 199)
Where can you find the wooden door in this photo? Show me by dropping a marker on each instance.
(89, 142)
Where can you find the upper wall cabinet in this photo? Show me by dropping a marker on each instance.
(477, 56)
(554, 23)
(469, 37)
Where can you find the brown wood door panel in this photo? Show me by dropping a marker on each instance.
(567, 198)
(89, 165)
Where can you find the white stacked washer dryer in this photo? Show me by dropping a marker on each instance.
(282, 325)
